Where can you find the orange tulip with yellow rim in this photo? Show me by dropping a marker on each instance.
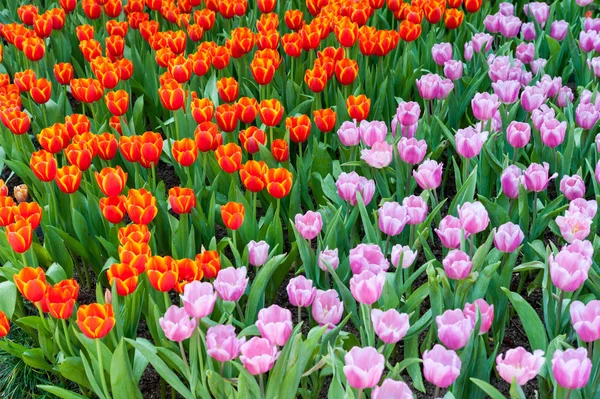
(187, 271)
(279, 182)
(202, 109)
(111, 180)
(68, 178)
(4, 325)
(79, 154)
(137, 233)
(171, 95)
(251, 139)
(246, 109)
(182, 199)
(43, 165)
(207, 136)
(209, 263)
(229, 157)
(453, 18)
(358, 107)
(228, 89)
(135, 254)
(141, 206)
(252, 175)
(294, 19)
(7, 211)
(30, 211)
(280, 150)
(31, 283)
(117, 102)
(271, 112)
(41, 90)
(113, 208)
(226, 117)
(16, 121)
(95, 320)
(162, 273)
(292, 44)
(325, 119)
(124, 277)
(61, 298)
(185, 151)
(232, 214)
(299, 128)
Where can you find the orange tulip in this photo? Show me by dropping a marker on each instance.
(91, 49)
(91, 9)
(251, 138)
(68, 5)
(209, 263)
(41, 90)
(311, 37)
(271, 112)
(88, 90)
(346, 31)
(454, 3)
(434, 10)
(346, 71)
(79, 154)
(27, 13)
(185, 151)
(151, 145)
(130, 147)
(177, 41)
(180, 68)
(299, 128)
(325, 119)
(226, 117)
(113, 208)
(246, 109)
(202, 109)
(280, 150)
(124, 68)
(31, 212)
(77, 124)
(7, 211)
(229, 157)
(25, 80)
(16, 121)
(3, 188)
(89, 139)
(358, 107)
(116, 28)
(316, 79)
(162, 273)
(220, 57)
(111, 180)
(292, 44)
(117, 102)
(43, 165)
(241, 43)
(187, 271)
(141, 206)
(294, 19)
(4, 325)
(107, 146)
(207, 136)
(195, 32)
(228, 89)
(54, 138)
(171, 95)
(327, 64)
(34, 48)
(115, 46)
(278, 182)
(95, 320)
(61, 298)
(68, 179)
(252, 175)
(31, 283)
(266, 6)
(201, 62)
(409, 31)
(472, 5)
(136, 233)
(135, 254)
(113, 8)
(453, 18)
(84, 32)
(233, 215)
(205, 17)
(268, 40)
(124, 277)
(182, 200)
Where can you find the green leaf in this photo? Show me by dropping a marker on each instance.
(35, 358)
(72, 369)
(8, 298)
(466, 192)
(535, 330)
(257, 291)
(492, 392)
(121, 376)
(370, 233)
(56, 273)
(247, 386)
(61, 392)
(220, 388)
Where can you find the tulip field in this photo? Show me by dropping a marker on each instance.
(281, 199)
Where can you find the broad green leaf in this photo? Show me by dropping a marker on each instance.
(535, 330)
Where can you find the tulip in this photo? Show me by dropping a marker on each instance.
(185, 151)
(520, 365)
(379, 155)
(457, 264)
(367, 286)
(271, 112)
(258, 252)
(553, 132)
(124, 276)
(565, 96)
(588, 208)
(454, 328)
(176, 324)
(416, 208)
(391, 389)
(258, 355)
(275, 324)
(532, 98)
(518, 134)
(586, 115)
(233, 215)
(510, 180)
(364, 367)
(571, 368)
(324, 119)
(182, 200)
(539, 11)
(408, 113)
(508, 237)
(309, 225)
(19, 235)
(301, 292)
(328, 256)
(141, 206)
(278, 182)
(568, 270)
(390, 326)
(484, 106)
(392, 218)
(372, 132)
(535, 177)
(358, 107)
(473, 217)
(327, 309)
(222, 343)
(95, 320)
(429, 175)
(43, 165)
(559, 30)
(231, 283)
(368, 257)
(349, 134)
(198, 299)
(348, 184)
(4, 325)
(453, 69)
(412, 151)
(441, 52)
(450, 231)
(537, 65)
(572, 187)
(403, 252)
(486, 313)
(111, 180)
(209, 262)
(469, 142)
(507, 90)
(31, 283)
(441, 366)
(162, 273)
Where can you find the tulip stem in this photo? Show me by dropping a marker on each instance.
(67, 337)
(237, 305)
(24, 259)
(262, 385)
(271, 135)
(561, 297)
(299, 314)
(101, 367)
(534, 215)
(360, 394)
(185, 362)
(568, 395)
(200, 362)
(204, 160)
(168, 302)
(437, 392)
(387, 244)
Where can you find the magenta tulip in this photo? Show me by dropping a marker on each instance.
(518, 134)
(367, 286)
(258, 252)
(586, 320)
(453, 69)
(379, 156)
(392, 218)
(372, 132)
(412, 151)
(258, 355)
(429, 175)
(391, 389)
(469, 142)
(457, 264)
(408, 113)
(301, 291)
(176, 324)
(588, 208)
(568, 270)
(231, 283)
(198, 299)
(473, 217)
(510, 26)
(364, 367)
(454, 329)
(572, 187)
(417, 209)
(506, 8)
(330, 256)
(327, 309)
(559, 29)
(565, 96)
(542, 114)
(574, 226)
(441, 366)
(441, 52)
(348, 184)
(528, 32)
(450, 232)
(486, 312)
(482, 42)
(510, 180)
(275, 324)
(309, 225)
(571, 368)
(403, 252)
(535, 177)
(222, 344)
(390, 326)
(508, 237)
(507, 90)
(586, 116)
(553, 132)
(532, 97)
(484, 106)
(525, 52)
(349, 134)
(368, 257)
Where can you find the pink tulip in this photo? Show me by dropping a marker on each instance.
(469, 142)
(348, 184)
(535, 177)
(542, 114)
(441, 52)
(538, 65)
(526, 78)
(429, 175)
(553, 132)
(379, 156)
(330, 256)
(508, 237)
(586, 320)
(391, 389)
(568, 270)
(176, 324)
(506, 8)
(258, 252)
(559, 30)
(586, 116)
(429, 86)
(532, 97)
(275, 324)
(222, 344)
(572, 187)
(441, 366)
(349, 134)
(309, 225)
(484, 106)
(588, 208)
(416, 208)
(372, 132)
(411, 150)
(408, 113)
(582, 247)
(571, 368)
(404, 252)
(473, 217)
(367, 286)
(364, 367)
(574, 226)
(486, 312)
(453, 69)
(231, 283)
(510, 26)
(597, 141)
(409, 131)
(492, 22)
(518, 134)
(597, 172)
(507, 90)
(520, 365)
(482, 42)
(301, 292)
(587, 40)
(390, 326)
(590, 23)
(457, 264)
(539, 11)
(550, 85)
(392, 218)
(368, 257)
(198, 299)
(446, 86)
(510, 180)
(583, 3)
(450, 232)
(528, 32)
(258, 355)
(525, 52)
(468, 51)
(565, 96)
(327, 309)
